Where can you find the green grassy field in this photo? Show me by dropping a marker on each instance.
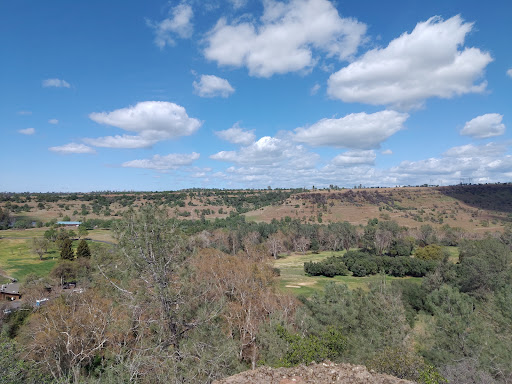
(17, 259)
(294, 280)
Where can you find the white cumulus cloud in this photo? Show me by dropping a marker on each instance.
(237, 135)
(158, 162)
(213, 86)
(285, 39)
(270, 152)
(178, 24)
(387, 152)
(483, 163)
(353, 158)
(471, 150)
(153, 121)
(481, 127)
(509, 73)
(27, 131)
(57, 83)
(53, 121)
(428, 62)
(355, 131)
(72, 148)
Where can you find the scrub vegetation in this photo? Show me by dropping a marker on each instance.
(172, 299)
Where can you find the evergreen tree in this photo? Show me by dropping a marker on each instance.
(83, 249)
(66, 250)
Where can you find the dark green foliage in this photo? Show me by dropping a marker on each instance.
(83, 249)
(329, 344)
(330, 267)
(63, 235)
(12, 369)
(414, 298)
(66, 250)
(456, 329)
(370, 320)
(402, 246)
(291, 348)
(484, 266)
(13, 321)
(22, 223)
(363, 264)
(5, 218)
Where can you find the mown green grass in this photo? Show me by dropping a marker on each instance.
(17, 259)
(294, 280)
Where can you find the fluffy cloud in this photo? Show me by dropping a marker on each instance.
(473, 151)
(357, 130)
(484, 126)
(57, 83)
(72, 148)
(353, 158)
(387, 152)
(237, 135)
(53, 121)
(213, 86)
(285, 38)
(157, 162)
(154, 121)
(509, 72)
(270, 152)
(179, 24)
(484, 163)
(27, 131)
(428, 62)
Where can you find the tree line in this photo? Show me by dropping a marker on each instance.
(189, 302)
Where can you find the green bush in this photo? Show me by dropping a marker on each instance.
(430, 252)
(329, 344)
(330, 267)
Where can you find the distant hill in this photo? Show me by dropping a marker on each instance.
(472, 207)
(477, 208)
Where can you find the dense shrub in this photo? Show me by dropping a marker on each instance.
(363, 264)
(330, 267)
(430, 252)
(293, 348)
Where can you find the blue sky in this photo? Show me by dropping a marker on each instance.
(138, 95)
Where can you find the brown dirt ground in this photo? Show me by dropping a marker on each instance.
(325, 373)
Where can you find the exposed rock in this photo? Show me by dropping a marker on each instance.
(325, 373)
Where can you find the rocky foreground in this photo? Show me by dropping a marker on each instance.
(324, 373)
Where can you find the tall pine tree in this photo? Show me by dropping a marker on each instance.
(66, 250)
(83, 249)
